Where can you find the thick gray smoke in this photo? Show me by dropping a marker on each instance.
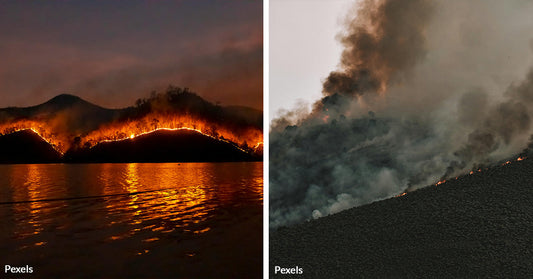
(378, 49)
(425, 91)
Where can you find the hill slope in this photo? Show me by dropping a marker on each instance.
(478, 226)
(162, 146)
(64, 113)
(26, 147)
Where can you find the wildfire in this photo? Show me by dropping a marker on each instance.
(246, 139)
(56, 140)
(258, 145)
(470, 173)
(401, 195)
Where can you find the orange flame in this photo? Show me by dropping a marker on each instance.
(247, 139)
(57, 140)
(401, 195)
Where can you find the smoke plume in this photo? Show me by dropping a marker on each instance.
(425, 91)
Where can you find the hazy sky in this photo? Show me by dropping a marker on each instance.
(303, 48)
(113, 52)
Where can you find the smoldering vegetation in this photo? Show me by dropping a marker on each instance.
(182, 101)
(67, 113)
(425, 91)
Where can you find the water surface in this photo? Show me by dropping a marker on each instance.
(179, 220)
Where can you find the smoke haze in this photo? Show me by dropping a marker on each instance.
(114, 52)
(424, 91)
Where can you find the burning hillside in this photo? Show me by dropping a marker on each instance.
(476, 226)
(70, 124)
(425, 91)
(162, 145)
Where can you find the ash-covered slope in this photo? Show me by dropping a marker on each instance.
(162, 146)
(478, 226)
(26, 147)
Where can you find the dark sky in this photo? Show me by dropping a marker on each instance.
(114, 52)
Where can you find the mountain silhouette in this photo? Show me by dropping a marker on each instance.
(26, 147)
(162, 146)
(67, 113)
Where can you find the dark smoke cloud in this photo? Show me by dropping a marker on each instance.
(425, 92)
(383, 43)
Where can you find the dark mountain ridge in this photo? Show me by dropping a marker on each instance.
(162, 146)
(66, 113)
(26, 147)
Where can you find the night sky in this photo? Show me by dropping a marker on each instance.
(114, 52)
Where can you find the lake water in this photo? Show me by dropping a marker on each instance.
(154, 220)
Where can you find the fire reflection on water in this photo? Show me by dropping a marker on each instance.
(30, 177)
(143, 203)
(177, 199)
(130, 219)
